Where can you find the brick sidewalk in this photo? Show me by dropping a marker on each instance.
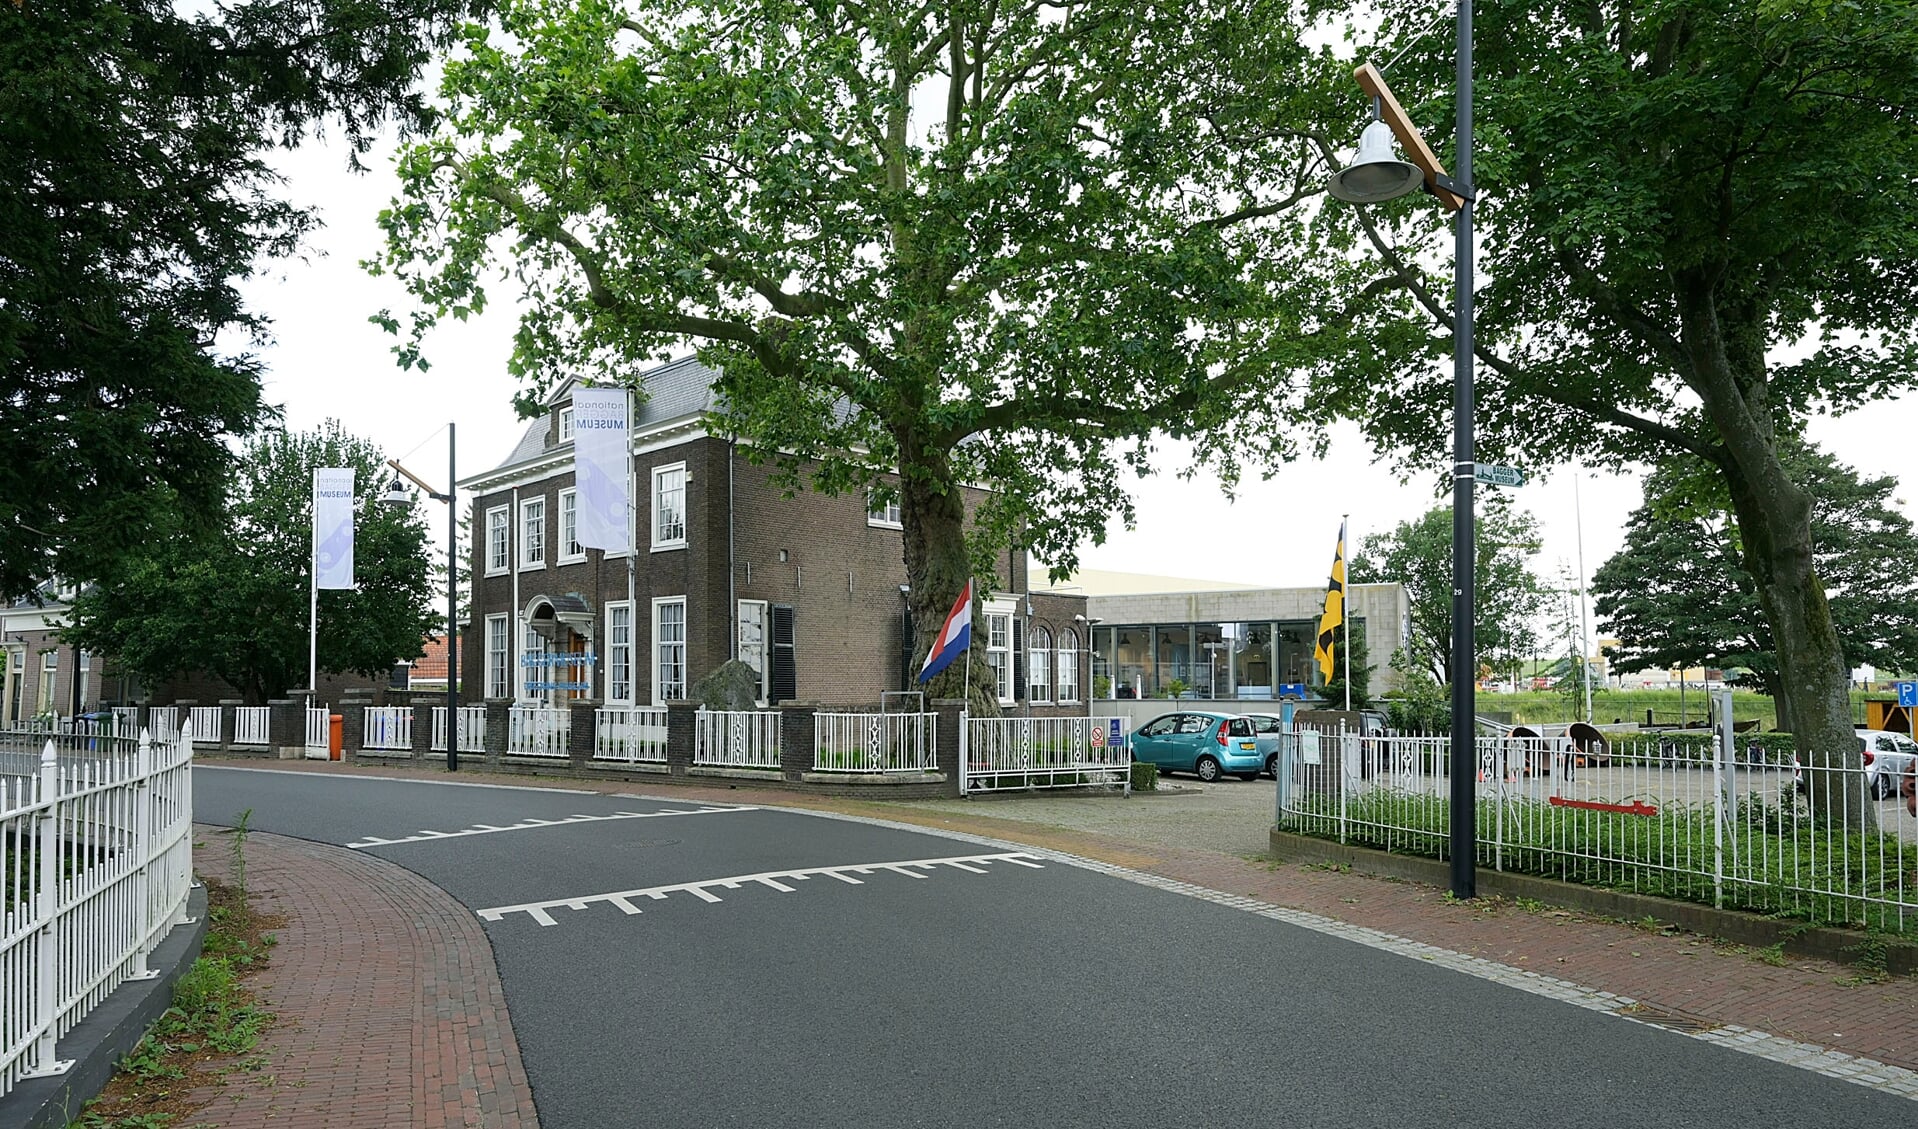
(389, 1006)
(1816, 1002)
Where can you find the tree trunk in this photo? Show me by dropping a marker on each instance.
(1774, 524)
(933, 511)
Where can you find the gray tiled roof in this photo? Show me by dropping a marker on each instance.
(679, 389)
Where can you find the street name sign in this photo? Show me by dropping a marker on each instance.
(1494, 475)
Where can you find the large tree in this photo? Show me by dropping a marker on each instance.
(235, 603)
(1677, 592)
(972, 242)
(134, 192)
(1418, 554)
(1672, 197)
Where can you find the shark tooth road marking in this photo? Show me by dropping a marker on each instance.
(536, 824)
(772, 879)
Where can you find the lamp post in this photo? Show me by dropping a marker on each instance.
(1376, 175)
(397, 493)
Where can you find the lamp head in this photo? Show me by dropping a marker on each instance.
(398, 493)
(1376, 174)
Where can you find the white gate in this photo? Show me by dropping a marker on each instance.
(1002, 754)
(737, 739)
(318, 741)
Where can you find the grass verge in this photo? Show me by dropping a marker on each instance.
(210, 1032)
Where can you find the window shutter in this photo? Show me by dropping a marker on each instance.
(785, 675)
(1018, 659)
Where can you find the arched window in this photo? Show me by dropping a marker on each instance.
(1038, 654)
(1067, 666)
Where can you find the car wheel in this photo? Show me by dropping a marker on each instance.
(1881, 787)
(1272, 766)
(1207, 769)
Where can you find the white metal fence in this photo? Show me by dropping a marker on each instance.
(126, 720)
(96, 866)
(1017, 753)
(164, 722)
(634, 734)
(1718, 824)
(472, 732)
(737, 739)
(318, 732)
(387, 729)
(206, 724)
(875, 742)
(250, 725)
(537, 731)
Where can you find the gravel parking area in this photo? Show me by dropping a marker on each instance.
(1231, 816)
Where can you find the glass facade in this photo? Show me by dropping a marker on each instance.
(1217, 660)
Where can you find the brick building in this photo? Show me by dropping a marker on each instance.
(39, 674)
(809, 590)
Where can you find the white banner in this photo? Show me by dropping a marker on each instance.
(333, 527)
(602, 467)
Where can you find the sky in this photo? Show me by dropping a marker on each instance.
(328, 361)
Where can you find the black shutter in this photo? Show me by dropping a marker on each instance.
(785, 675)
(1017, 658)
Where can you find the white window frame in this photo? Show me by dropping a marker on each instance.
(532, 550)
(498, 675)
(570, 550)
(1065, 675)
(504, 562)
(619, 654)
(662, 534)
(49, 673)
(661, 685)
(998, 616)
(763, 614)
(85, 664)
(566, 424)
(1038, 665)
(883, 517)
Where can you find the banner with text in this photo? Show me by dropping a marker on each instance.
(333, 527)
(602, 467)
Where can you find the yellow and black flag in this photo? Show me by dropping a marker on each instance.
(1334, 613)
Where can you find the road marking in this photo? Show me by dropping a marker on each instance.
(1855, 1069)
(533, 824)
(770, 879)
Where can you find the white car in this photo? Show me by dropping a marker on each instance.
(1888, 757)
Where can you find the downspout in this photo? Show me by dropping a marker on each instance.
(513, 640)
(732, 567)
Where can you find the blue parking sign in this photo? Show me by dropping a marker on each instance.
(1907, 693)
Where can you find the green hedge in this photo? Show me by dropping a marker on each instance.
(1145, 777)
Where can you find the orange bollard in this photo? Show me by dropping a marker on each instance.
(335, 735)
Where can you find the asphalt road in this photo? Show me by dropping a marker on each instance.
(710, 966)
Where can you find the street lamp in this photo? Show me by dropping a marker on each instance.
(396, 492)
(1375, 175)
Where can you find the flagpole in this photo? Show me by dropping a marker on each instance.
(313, 598)
(1345, 606)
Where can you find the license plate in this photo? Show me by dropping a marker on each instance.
(1249, 745)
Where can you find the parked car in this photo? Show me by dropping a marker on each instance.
(1208, 745)
(1267, 730)
(1889, 759)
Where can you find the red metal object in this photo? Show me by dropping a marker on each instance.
(1636, 807)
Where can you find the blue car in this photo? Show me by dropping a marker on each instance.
(1209, 745)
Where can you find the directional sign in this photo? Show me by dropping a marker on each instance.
(1907, 693)
(1494, 475)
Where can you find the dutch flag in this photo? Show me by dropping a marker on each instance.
(953, 638)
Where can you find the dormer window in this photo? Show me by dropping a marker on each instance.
(566, 424)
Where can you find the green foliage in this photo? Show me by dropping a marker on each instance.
(134, 192)
(1145, 776)
(965, 243)
(1334, 691)
(1766, 855)
(1509, 598)
(1678, 590)
(1673, 201)
(1174, 688)
(234, 602)
(1422, 705)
